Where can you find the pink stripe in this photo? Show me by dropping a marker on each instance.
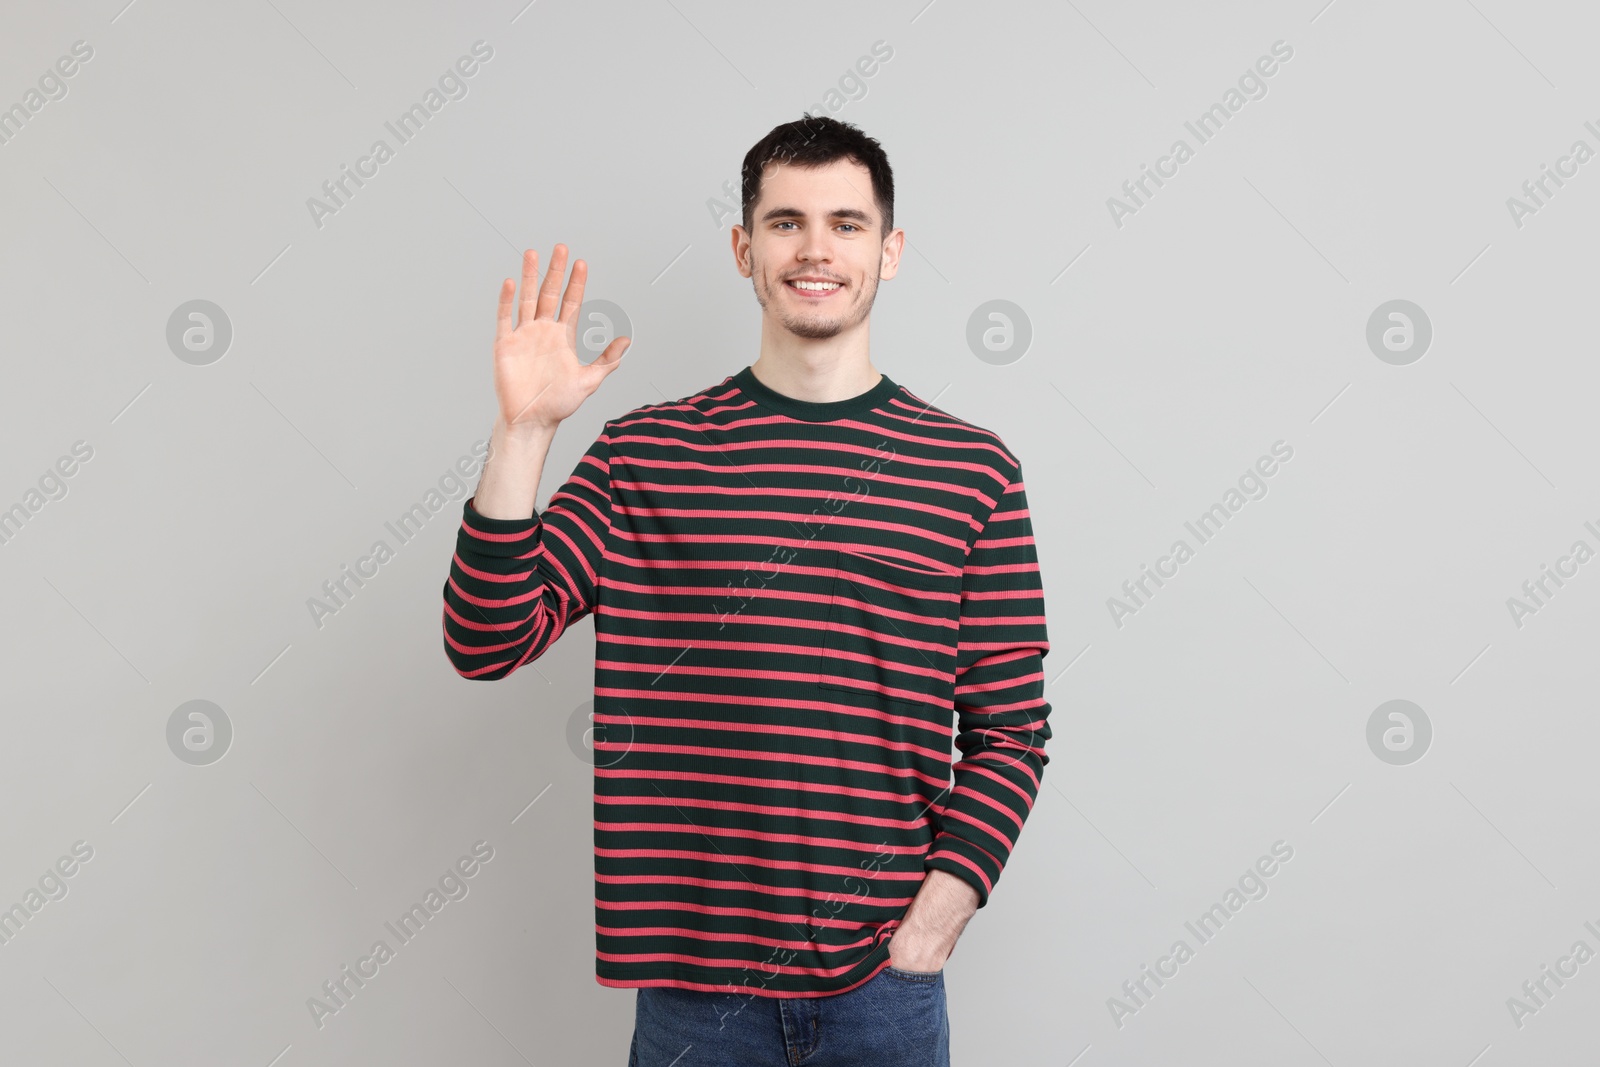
(986, 772)
(808, 892)
(491, 602)
(991, 856)
(986, 800)
(743, 834)
(969, 865)
(944, 849)
(991, 544)
(775, 516)
(554, 560)
(940, 485)
(832, 448)
(720, 857)
(940, 442)
(762, 809)
(801, 624)
(739, 779)
(960, 816)
(637, 906)
(479, 650)
(738, 938)
(703, 961)
(1000, 685)
(1026, 770)
(1004, 568)
(929, 415)
(1003, 594)
(473, 624)
(741, 701)
(499, 538)
(800, 677)
(1002, 620)
(768, 591)
(667, 492)
(596, 519)
(789, 757)
(734, 727)
(720, 591)
(490, 576)
(1028, 704)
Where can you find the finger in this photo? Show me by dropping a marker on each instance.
(574, 298)
(502, 325)
(530, 275)
(550, 291)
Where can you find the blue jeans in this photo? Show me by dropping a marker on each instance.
(894, 1019)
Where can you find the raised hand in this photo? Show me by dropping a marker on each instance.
(537, 375)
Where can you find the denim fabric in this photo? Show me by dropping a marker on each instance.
(894, 1019)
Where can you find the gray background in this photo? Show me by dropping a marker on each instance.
(1168, 354)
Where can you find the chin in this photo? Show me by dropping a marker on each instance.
(815, 331)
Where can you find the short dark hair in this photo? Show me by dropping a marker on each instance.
(814, 141)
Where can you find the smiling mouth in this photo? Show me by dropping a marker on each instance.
(813, 290)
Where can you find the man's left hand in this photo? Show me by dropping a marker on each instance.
(927, 935)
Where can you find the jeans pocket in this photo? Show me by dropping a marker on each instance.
(928, 977)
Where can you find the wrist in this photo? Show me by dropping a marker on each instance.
(945, 899)
(522, 433)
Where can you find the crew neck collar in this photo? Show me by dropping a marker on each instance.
(813, 410)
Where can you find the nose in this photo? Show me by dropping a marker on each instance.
(814, 248)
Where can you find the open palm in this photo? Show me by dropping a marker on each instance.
(537, 374)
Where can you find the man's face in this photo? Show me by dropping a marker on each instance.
(816, 225)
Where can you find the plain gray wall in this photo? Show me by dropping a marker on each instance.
(1170, 349)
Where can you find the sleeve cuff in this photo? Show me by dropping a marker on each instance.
(964, 860)
(484, 536)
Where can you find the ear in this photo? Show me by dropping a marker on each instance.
(892, 248)
(740, 239)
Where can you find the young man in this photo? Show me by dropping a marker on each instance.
(798, 577)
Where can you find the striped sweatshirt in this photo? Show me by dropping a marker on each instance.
(792, 601)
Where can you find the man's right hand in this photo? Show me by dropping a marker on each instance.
(537, 375)
(539, 381)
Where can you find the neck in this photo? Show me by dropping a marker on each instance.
(821, 370)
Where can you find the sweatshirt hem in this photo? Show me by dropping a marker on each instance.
(878, 960)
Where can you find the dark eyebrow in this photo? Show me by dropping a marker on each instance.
(836, 213)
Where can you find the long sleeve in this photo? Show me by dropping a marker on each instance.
(515, 585)
(1001, 713)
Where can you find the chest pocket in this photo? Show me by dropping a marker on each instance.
(891, 631)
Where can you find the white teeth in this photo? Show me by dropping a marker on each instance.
(819, 286)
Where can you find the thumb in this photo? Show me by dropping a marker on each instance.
(609, 360)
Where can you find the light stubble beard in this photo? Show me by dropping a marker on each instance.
(815, 327)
